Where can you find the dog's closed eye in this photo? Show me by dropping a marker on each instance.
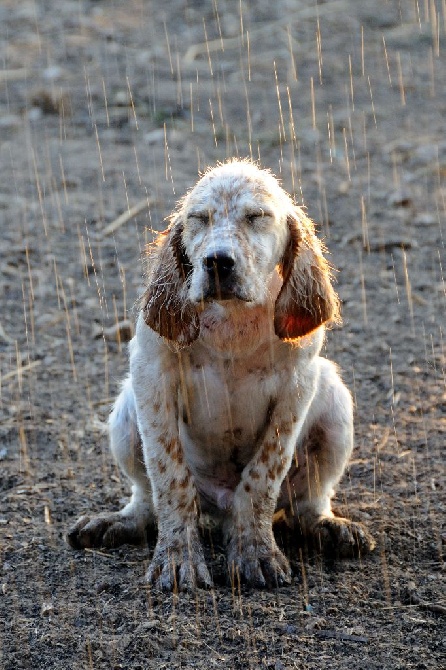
(251, 216)
(202, 216)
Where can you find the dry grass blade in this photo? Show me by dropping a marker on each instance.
(19, 371)
(415, 599)
(126, 216)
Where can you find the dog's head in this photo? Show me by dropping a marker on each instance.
(227, 240)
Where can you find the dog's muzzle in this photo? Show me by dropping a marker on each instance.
(220, 269)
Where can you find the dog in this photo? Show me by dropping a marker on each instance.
(229, 409)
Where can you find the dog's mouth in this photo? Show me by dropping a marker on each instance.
(224, 294)
(220, 287)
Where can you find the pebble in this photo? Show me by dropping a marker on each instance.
(47, 609)
(34, 114)
(10, 121)
(425, 219)
(388, 244)
(52, 72)
(400, 198)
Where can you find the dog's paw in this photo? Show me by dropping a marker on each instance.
(341, 537)
(178, 563)
(107, 531)
(257, 563)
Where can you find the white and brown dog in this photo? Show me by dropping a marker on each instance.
(229, 407)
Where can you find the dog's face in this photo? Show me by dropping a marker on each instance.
(232, 237)
(234, 234)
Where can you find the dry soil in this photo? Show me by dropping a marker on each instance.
(106, 106)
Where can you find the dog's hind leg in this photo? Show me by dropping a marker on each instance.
(129, 525)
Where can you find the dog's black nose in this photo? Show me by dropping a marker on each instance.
(219, 265)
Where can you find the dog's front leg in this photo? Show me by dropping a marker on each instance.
(178, 561)
(253, 554)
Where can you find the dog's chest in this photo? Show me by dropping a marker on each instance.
(224, 408)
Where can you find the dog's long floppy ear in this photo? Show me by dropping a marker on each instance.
(164, 303)
(307, 298)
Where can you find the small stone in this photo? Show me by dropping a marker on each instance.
(51, 104)
(425, 219)
(316, 624)
(47, 609)
(391, 243)
(121, 99)
(10, 121)
(400, 198)
(155, 136)
(52, 72)
(34, 114)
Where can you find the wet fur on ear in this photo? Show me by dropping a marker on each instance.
(164, 303)
(307, 298)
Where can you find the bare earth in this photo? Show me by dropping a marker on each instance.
(108, 105)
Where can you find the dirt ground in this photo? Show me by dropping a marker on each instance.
(107, 106)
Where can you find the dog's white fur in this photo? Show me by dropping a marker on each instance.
(229, 407)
